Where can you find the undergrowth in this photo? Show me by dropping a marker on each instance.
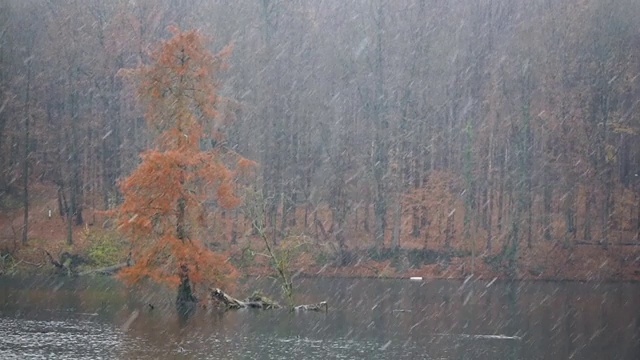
(106, 247)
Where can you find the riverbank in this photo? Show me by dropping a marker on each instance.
(556, 263)
(578, 264)
(562, 264)
(100, 246)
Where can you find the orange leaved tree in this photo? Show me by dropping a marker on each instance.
(163, 213)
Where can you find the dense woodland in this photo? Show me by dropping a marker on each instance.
(490, 127)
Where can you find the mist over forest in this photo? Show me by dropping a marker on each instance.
(489, 136)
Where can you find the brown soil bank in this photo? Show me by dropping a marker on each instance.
(546, 260)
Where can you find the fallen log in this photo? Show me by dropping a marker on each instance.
(54, 262)
(64, 266)
(257, 301)
(107, 270)
(586, 243)
(321, 306)
(69, 265)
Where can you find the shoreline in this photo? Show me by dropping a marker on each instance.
(264, 273)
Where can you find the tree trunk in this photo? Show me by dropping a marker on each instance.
(3, 136)
(415, 221)
(638, 214)
(380, 160)
(234, 228)
(181, 231)
(587, 213)
(367, 206)
(111, 150)
(76, 185)
(69, 229)
(25, 161)
(380, 203)
(570, 216)
(529, 198)
(501, 196)
(450, 226)
(397, 223)
(514, 240)
(185, 301)
(608, 206)
(547, 194)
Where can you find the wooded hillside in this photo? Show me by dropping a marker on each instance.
(496, 129)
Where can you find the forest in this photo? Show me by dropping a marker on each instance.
(386, 138)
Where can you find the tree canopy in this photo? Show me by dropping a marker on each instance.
(166, 198)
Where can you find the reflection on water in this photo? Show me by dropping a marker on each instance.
(22, 339)
(368, 319)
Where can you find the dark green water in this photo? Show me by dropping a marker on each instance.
(368, 319)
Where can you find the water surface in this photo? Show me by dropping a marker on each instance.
(367, 319)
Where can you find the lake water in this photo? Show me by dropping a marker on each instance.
(367, 319)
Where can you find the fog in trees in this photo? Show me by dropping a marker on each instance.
(499, 129)
(478, 140)
(496, 129)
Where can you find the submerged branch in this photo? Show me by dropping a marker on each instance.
(260, 302)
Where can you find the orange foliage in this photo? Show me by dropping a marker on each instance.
(164, 198)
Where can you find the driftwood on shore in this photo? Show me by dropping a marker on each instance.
(54, 262)
(68, 265)
(257, 301)
(107, 270)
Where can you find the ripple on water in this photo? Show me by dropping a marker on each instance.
(69, 339)
(86, 339)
